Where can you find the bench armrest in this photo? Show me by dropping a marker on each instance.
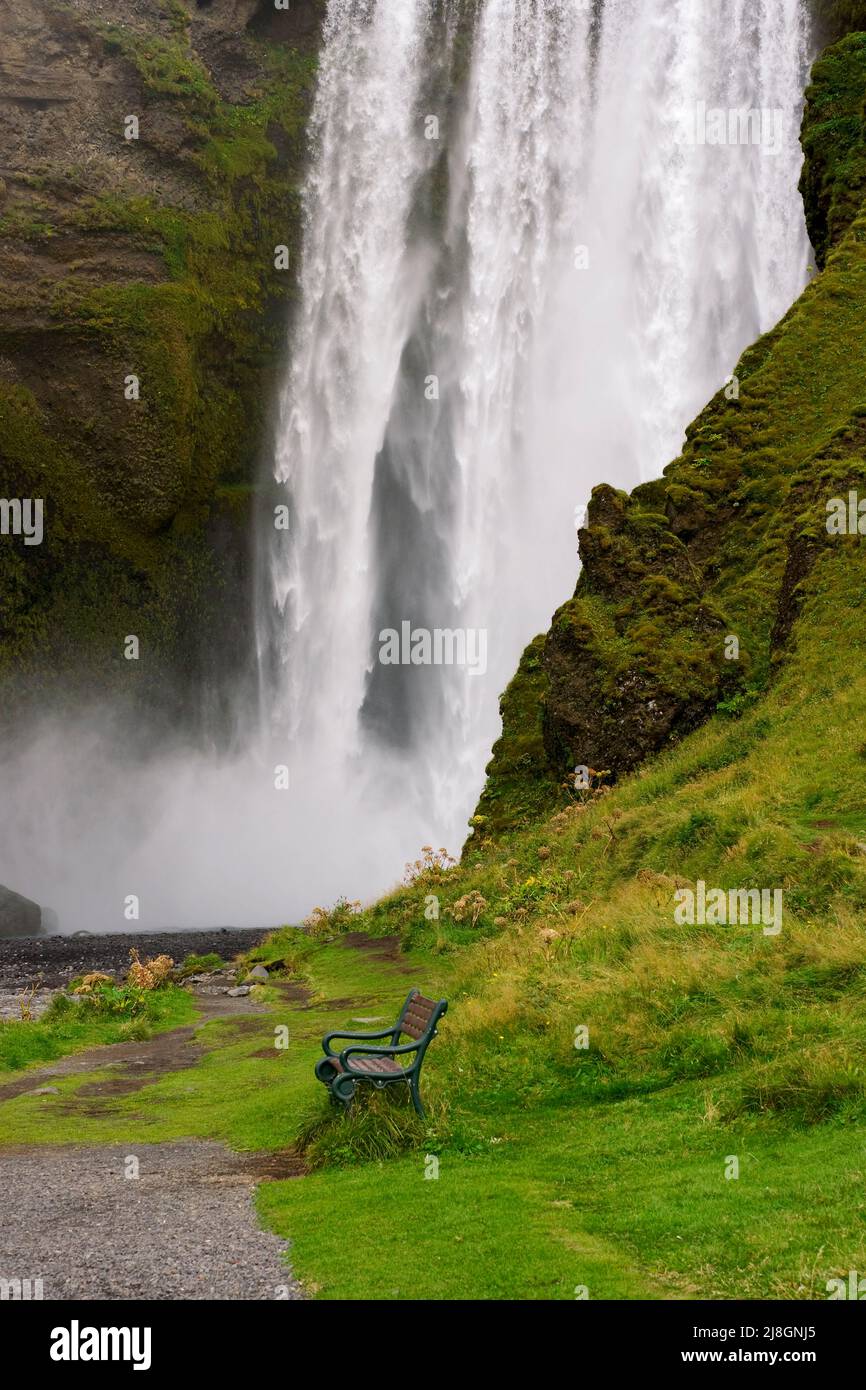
(329, 1037)
(377, 1052)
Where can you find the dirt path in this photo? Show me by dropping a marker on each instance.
(138, 1063)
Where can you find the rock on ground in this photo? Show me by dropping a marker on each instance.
(18, 915)
(15, 1003)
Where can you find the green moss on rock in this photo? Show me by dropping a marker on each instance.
(833, 181)
(160, 265)
(520, 786)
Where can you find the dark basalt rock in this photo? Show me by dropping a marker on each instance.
(18, 915)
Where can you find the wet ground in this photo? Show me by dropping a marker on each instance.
(55, 960)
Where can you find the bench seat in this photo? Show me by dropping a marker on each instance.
(371, 1066)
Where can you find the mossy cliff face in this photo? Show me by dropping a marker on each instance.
(723, 545)
(151, 258)
(833, 183)
(834, 18)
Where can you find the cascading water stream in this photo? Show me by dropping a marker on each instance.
(360, 286)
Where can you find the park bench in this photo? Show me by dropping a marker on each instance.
(341, 1071)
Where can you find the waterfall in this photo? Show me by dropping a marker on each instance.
(462, 374)
(537, 236)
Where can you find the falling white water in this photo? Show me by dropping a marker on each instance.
(489, 323)
(361, 283)
(521, 159)
(598, 271)
(695, 248)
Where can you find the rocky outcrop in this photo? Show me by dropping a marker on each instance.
(833, 183)
(521, 782)
(636, 658)
(18, 915)
(834, 18)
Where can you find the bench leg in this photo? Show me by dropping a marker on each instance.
(416, 1096)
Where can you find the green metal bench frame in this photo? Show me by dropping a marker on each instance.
(341, 1071)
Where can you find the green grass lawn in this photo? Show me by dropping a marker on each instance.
(625, 1198)
(628, 1200)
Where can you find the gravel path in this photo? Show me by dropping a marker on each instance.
(184, 1229)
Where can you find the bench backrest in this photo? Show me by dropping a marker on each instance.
(419, 1017)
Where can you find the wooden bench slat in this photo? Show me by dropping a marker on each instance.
(373, 1065)
(416, 1019)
